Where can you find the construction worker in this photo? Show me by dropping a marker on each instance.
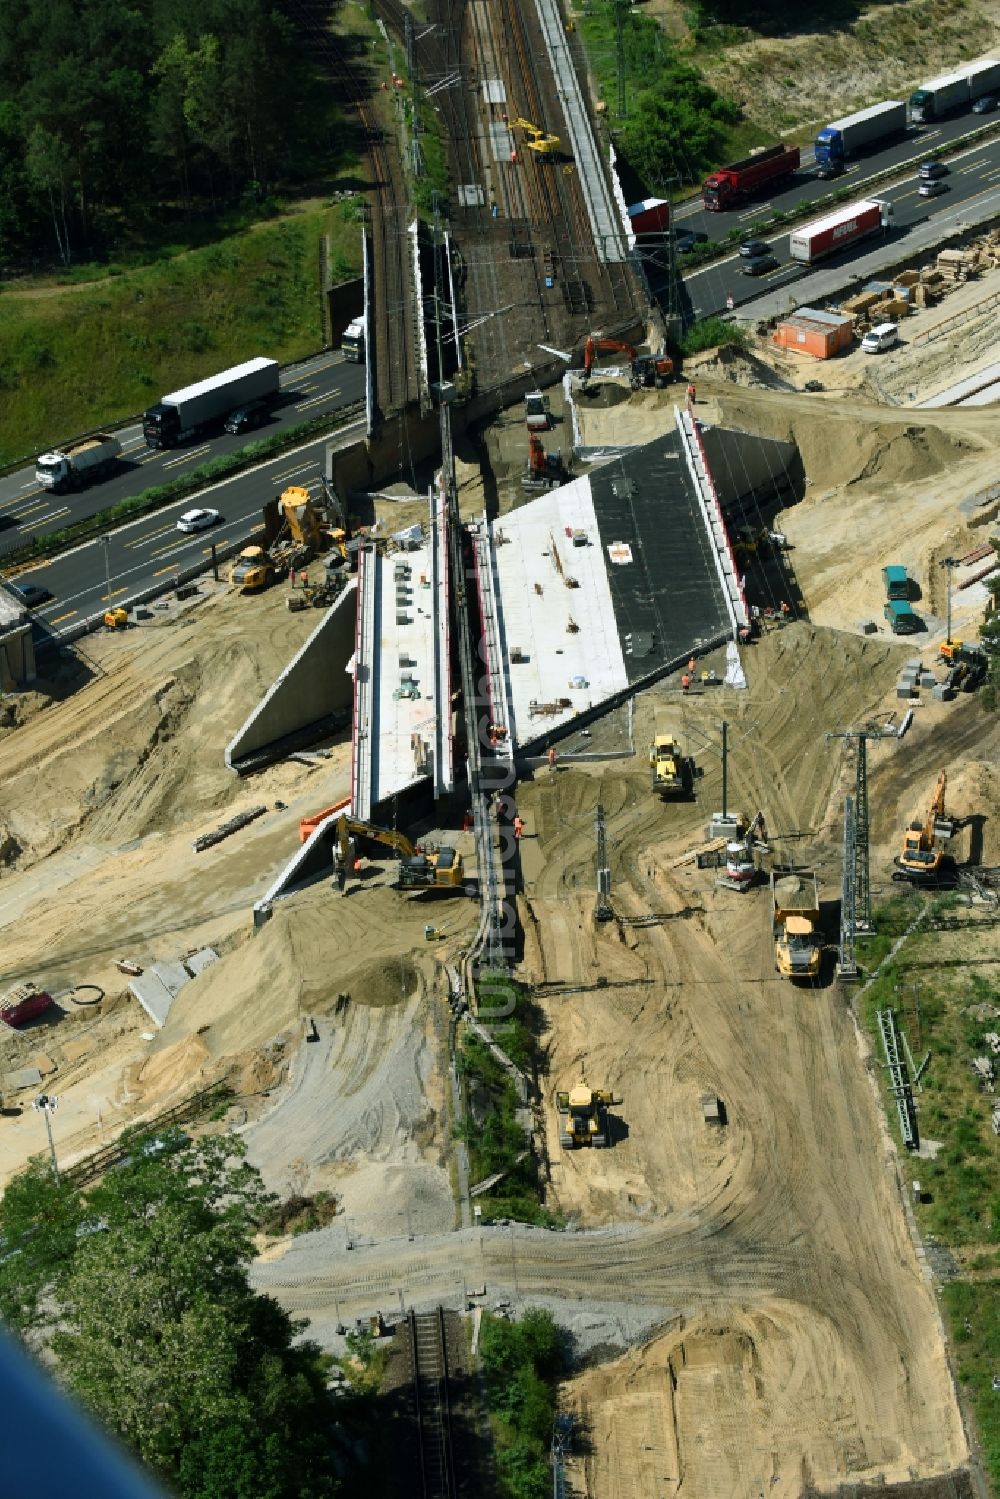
(467, 822)
(730, 304)
(552, 758)
(786, 609)
(692, 394)
(518, 827)
(685, 682)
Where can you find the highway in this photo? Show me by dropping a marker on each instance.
(970, 194)
(146, 552)
(310, 389)
(919, 142)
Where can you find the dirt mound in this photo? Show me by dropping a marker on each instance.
(740, 367)
(387, 981)
(853, 446)
(178, 1069)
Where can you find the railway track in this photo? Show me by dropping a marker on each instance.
(432, 1403)
(395, 360)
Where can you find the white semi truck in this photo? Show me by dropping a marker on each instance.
(183, 413)
(79, 463)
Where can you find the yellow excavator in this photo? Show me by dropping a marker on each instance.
(922, 854)
(584, 1112)
(540, 141)
(419, 868)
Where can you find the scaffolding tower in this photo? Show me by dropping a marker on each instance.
(603, 911)
(847, 967)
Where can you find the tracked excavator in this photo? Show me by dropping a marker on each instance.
(645, 370)
(419, 868)
(544, 470)
(540, 141)
(922, 855)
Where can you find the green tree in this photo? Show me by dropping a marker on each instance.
(139, 1289)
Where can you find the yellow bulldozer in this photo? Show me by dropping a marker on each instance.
(419, 868)
(671, 773)
(584, 1116)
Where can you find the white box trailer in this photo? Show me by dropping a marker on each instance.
(184, 412)
(983, 77)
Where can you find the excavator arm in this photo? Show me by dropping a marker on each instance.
(604, 346)
(353, 827)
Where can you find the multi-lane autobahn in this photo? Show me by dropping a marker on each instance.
(147, 551)
(310, 389)
(128, 562)
(974, 174)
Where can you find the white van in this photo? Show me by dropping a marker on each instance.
(877, 340)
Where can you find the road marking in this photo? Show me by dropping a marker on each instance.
(302, 469)
(49, 515)
(140, 541)
(161, 570)
(60, 617)
(115, 592)
(30, 509)
(327, 395)
(35, 488)
(186, 457)
(173, 547)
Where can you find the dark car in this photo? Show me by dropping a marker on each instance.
(246, 418)
(750, 247)
(759, 265)
(931, 170)
(686, 239)
(30, 595)
(986, 105)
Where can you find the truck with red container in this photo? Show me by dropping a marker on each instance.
(651, 216)
(22, 1004)
(731, 185)
(839, 229)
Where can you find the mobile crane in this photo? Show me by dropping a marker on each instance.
(922, 854)
(419, 868)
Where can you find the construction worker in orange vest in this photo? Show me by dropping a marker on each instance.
(685, 682)
(552, 759)
(692, 393)
(518, 827)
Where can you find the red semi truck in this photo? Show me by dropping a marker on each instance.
(839, 229)
(730, 185)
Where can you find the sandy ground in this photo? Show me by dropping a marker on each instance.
(839, 1370)
(794, 1335)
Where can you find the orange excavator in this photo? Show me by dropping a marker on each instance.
(545, 470)
(922, 853)
(645, 370)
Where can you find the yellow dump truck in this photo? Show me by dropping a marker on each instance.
(795, 917)
(252, 570)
